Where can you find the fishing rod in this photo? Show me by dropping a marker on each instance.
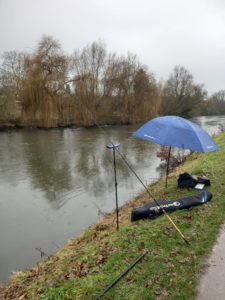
(101, 294)
(144, 185)
(153, 198)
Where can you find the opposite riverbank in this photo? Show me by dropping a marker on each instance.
(170, 270)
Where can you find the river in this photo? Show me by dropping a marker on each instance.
(55, 183)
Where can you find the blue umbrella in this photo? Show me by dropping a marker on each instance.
(174, 131)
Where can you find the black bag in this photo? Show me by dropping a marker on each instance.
(151, 210)
(186, 180)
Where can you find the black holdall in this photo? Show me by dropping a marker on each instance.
(152, 210)
(186, 180)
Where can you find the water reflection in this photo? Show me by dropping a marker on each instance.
(63, 163)
(47, 164)
(53, 182)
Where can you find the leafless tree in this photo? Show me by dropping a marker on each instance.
(181, 95)
(11, 76)
(215, 104)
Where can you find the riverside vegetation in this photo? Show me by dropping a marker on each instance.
(46, 88)
(170, 270)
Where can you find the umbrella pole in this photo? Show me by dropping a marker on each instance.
(168, 165)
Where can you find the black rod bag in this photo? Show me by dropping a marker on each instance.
(152, 210)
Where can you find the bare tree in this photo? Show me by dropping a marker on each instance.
(11, 76)
(215, 104)
(108, 87)
(180, 94)
(12, 70)
(119, 85)
(88, 68)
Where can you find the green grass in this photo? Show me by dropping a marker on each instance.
(170, 270)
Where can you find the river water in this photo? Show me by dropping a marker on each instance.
(55, 183)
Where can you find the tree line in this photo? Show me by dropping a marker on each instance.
(47, 88)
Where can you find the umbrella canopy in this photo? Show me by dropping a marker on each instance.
(177, 132)
(174, 131)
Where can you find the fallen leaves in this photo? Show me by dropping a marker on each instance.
(161, 294)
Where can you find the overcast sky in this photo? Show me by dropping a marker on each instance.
(162, 33)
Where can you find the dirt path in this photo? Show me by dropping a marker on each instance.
(212, 282)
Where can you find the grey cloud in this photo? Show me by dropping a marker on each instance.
(162, 33)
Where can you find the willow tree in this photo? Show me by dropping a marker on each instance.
(44, 84)
(124, 86)
(147, 97)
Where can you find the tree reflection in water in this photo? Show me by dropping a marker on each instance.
(66, 163)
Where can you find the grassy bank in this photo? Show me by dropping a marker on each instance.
(170, 269)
